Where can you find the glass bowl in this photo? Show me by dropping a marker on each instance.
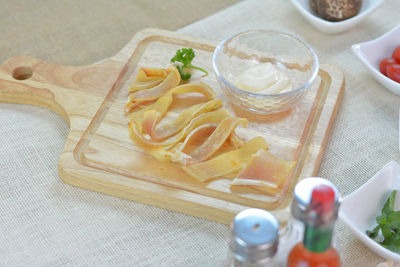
(288, 54)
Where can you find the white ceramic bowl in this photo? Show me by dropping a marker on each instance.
(372, 52)
(360, 209)
(367, 8)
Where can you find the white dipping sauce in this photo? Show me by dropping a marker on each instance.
(264, 78)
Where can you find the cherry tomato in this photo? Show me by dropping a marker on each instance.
(396, 54)
(393, 72)
(384, 63)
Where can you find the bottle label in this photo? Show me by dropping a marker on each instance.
(317, 239)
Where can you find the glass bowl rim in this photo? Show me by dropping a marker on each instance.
(315, 68)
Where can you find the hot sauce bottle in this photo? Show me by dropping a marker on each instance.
(315, 204)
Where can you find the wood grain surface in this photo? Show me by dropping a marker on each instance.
(99, 156)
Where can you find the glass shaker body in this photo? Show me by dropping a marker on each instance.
(233, 261)
(289, 236)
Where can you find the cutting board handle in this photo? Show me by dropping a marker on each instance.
(22, 82)
(62, 89)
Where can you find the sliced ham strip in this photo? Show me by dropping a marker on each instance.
(266, 172)
(216, 139)
(226, 163)
(140, 97)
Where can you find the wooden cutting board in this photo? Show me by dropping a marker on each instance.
(99, 156)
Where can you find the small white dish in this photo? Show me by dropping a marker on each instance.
(303, 6)
(360, 209)
(372, 52)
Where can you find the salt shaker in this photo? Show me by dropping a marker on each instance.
(254, 239)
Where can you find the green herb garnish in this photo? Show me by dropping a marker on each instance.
(389, 225)
(185, 56)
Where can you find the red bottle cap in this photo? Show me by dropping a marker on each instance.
(323, 198)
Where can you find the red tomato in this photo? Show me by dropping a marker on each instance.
(384, 63)
(396, 54)
(393, 72)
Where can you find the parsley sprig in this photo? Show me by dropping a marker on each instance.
(389, 225)
(185, 56)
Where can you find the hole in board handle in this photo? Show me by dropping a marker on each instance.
(22, 73)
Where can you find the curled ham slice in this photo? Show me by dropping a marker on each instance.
(226, 163)
(235, 140)
(171, 81)
(140, 97)
(210, 117)
(150, 119)
(196, 137)
(157, 151)
(148, 74)
(161, 133)
(265, 172)
(216, 139)
(138, 86)
(158, 109)
(147, 78)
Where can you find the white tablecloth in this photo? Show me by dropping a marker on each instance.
(45, 222)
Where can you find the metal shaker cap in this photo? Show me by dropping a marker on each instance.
(255, 235)
(302, 208)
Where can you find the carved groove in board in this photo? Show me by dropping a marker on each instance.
(326, 82)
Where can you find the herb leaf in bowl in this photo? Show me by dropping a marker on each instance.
(389, 225)
(185, 56)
